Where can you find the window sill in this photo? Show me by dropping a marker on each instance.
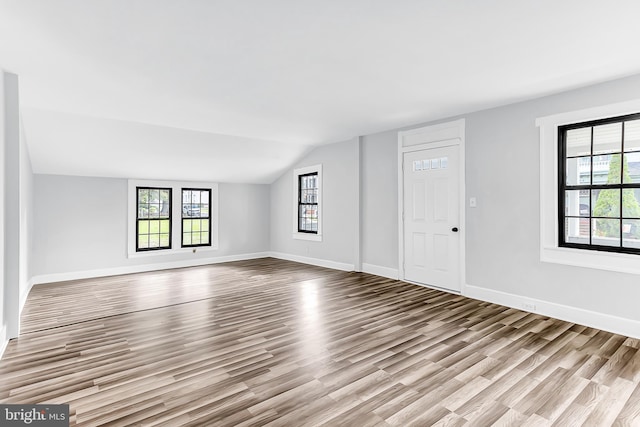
(165, 252)
(308, 236)
(611, 261)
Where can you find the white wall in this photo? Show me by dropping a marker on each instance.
(81, 228)
(3, 320)
(340, 214)
(11, 199)
(26, 220)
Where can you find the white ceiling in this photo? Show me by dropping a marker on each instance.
(237, 90)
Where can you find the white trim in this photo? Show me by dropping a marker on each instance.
(116, 271)
(313, 261)
(389, 273)
(316, 237)
(549, 249)
(4, 341)
(425, 138)
(593, 319)
(176, 214)
(25, 294)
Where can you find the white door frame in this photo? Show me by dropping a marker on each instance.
(424, 138)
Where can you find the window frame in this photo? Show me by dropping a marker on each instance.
(176, 217)
(550, 251)
(182, 218)
(300, 203)
(297, 173)
(563, 186)
(138, 219)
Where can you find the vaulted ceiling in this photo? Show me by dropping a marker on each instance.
(237, 90)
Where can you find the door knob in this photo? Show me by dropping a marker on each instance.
(454, 229)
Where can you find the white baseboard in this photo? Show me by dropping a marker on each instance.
(88, 274)
(593, 319)
(24, 294)
(389, 273)
(313, 261)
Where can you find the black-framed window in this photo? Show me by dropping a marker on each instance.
(308, 203)
(153, 218)
(599, 184)
(196, 217)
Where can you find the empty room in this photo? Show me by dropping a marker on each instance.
(319, 213)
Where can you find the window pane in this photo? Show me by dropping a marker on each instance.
(143, 211)
(204, 238)
(164, 226)
(630, 203)
(205, 225)
(143, 242)
(195, 225)
(143, 227)
(577, 230)
(632, 168)
(632, 136)
(186, 225)
(195, 238)
(154, 210)
(154, 227)
(154, 196)
(576, 203)
(578, 171)
(606, 169)
(631, 233)
(607, 232)
(186, 239)
(154, 240)
(607, 138)
(143, 195)
(606, 203)
(579, 142)
(164, 240)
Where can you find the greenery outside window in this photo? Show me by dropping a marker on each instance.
(599, 184)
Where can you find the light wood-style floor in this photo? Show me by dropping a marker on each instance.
(270, 342)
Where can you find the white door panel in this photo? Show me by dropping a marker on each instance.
(431, 199)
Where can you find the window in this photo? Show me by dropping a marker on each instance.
(599, 184)
(153, 219)
(307, 203)
(196, 218)
(165, 218)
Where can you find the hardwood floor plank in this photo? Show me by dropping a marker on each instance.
(272, 342)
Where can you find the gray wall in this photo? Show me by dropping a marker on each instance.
(503, 232)
(339, 211)
(379, 199)
(81, 224)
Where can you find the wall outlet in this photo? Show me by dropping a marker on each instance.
(529, 306)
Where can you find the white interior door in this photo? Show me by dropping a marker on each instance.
(431, 216)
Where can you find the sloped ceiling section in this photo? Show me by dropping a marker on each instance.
(72, 144)
(169, 87)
